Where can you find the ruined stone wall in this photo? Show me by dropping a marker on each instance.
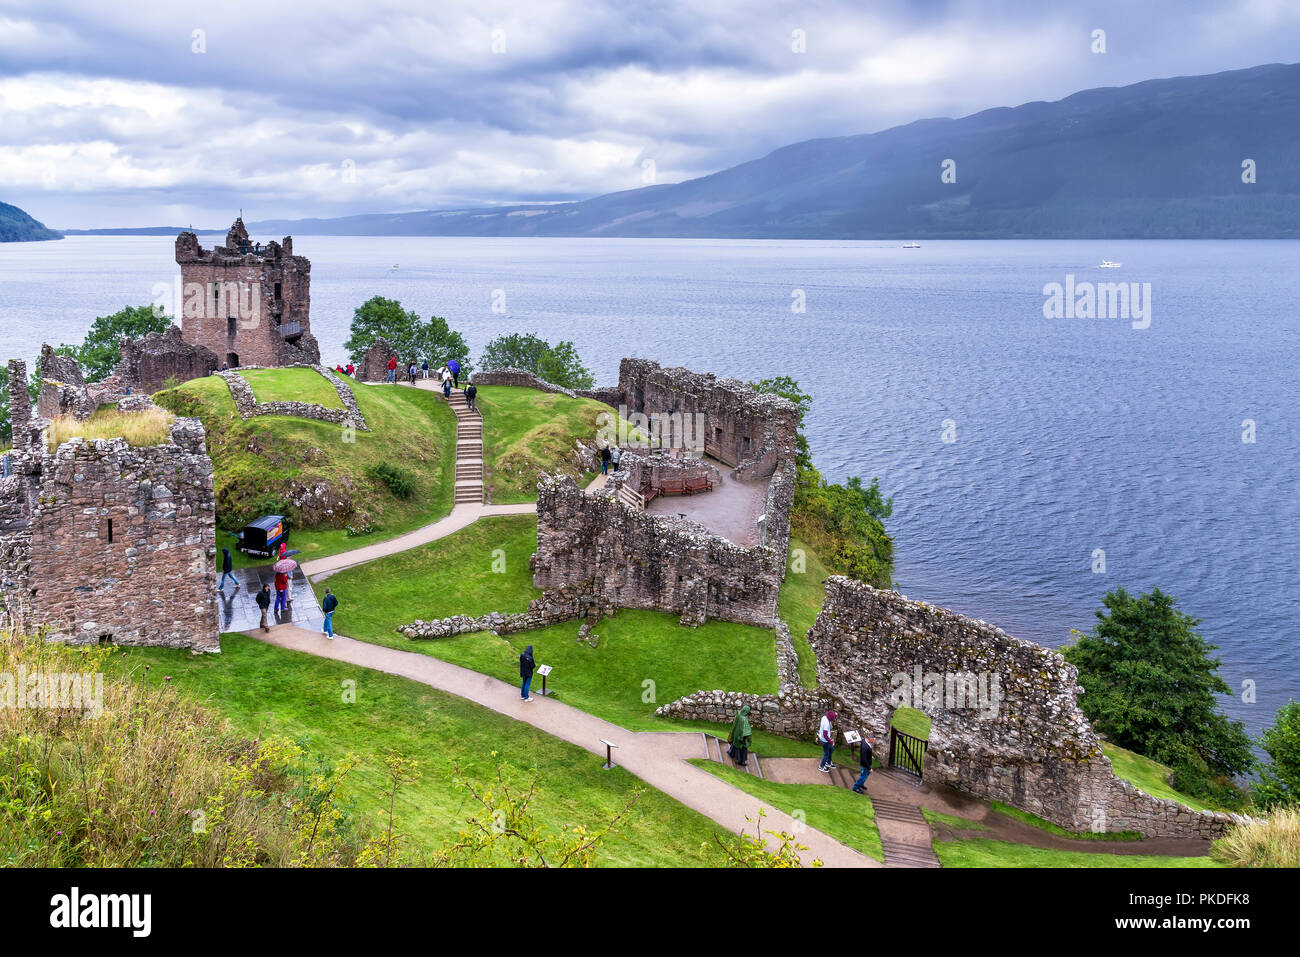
(247, 406)
(554, 607)
(248, 331)
(633, 559)
(374, 364)
(750, 431)
(652, 467)
(20, 404)
(1005, 722)
(148, 363)
(145, 579)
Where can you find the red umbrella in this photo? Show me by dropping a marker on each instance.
(285, 566)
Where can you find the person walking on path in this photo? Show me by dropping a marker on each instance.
(264, 603)
(410, 372)
(327, 605)
(454, 368)
(471, 391)
(424, 367)
(614, 455)
(281, 592)
(227, 568)
(392, 370)
(526, 666)
(604, 460)
(446, 386)
(864, 758)
(740, 738)
(826, 738)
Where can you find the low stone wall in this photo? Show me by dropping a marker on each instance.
(248, 407)
(553, 608)
(651, 468)
(519, 377)
(634, 559)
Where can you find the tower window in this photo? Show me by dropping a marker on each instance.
(110, 531)
(277, 292)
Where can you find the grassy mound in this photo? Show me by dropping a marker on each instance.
(800, 602)
(328, 480)
(140, 429)
(267, 690)
(526, 432)
(1147, 775)
(292, 385)
(837, 812)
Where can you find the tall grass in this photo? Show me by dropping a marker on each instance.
(1273, 841)
(153, 780)
(140, 429)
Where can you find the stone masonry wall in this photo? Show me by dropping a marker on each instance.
(633, 559)
(247, 405)
(150, 362)
(1005, 722)
(553, 608)
(519, 377)
(374, 364)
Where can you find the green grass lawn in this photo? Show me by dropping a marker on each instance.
(1035, 821)
(1147, 775)
(984, 852)
(263, 463)
(526, 432)
(938, 817)
(910, 721)
(264, 690)
(802, 594)
(837, 812)
(293, 385)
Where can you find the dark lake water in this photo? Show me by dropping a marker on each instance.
(1071, 435)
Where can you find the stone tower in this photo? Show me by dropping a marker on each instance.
(250, 304)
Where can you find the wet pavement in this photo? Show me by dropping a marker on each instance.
(238, 606)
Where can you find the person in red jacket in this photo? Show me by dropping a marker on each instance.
(392, 369)
(281, 592)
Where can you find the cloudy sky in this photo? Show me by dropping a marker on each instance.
(170, 113)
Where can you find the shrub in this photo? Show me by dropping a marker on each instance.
(399, 481)
(1273, 841)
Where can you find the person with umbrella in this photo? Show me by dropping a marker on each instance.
(283, 569)
(454, 368)
(740, 738)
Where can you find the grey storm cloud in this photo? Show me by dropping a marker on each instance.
(146, 113)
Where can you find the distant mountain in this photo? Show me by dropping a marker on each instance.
(1162, 159)
(17, 227)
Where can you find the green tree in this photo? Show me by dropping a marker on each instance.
(101, 350)
(559, 363)
(412, 337)
(1151, 685)
(1279, 777)
(844, 523)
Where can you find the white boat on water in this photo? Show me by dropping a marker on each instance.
(1107, 264)
(911, 245)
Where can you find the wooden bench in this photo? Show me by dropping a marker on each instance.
(673, 487)
(701, 484)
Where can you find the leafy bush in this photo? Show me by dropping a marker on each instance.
(1279, 777)
(399, 481)
(101, 350)
(412, 337)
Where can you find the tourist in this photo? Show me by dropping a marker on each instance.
(392, 370)
(471, 391)
(826, 738)
(740, 738)
(604, 460)
(526, 666)
(352, 370)
(454, 368)
(424, 367)
(327, 605)
(614, 455)
(446, 386)
(864, 758)
(227, 567)
(281, 592)
(410, 372)
(264, 602)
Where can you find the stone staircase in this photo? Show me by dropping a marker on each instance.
(469, 451)
(716, 749)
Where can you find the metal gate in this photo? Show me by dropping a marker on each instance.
(907, 753)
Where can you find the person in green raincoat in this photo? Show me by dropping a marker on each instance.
(740, 737)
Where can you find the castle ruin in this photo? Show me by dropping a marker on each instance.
(247, 303)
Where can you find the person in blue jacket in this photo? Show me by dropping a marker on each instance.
(227, 568)
(526, 666)
(327, 605)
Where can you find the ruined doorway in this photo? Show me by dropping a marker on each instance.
(232, 360)
(909, 738)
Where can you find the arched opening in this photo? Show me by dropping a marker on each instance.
(232, 360)
(909, 737)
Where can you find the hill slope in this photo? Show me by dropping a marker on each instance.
(17, 227)
(1162, 158)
